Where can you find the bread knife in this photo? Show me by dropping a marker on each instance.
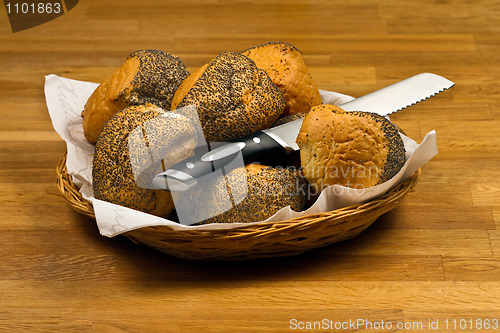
(281, 139)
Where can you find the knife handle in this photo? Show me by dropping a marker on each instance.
(185, 174)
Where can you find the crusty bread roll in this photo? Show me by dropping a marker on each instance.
(353, 149)
(146, 76)
(268, 190)
(145, 132)
(284, 63)
(232, 96)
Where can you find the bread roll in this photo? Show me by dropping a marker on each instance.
(232, 96)
(157, 134)
(268, 190)
(284, 63)
(353, 149)
(146, 76)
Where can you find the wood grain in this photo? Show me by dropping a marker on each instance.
(435, 257)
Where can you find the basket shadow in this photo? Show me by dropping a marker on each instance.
(138, 262)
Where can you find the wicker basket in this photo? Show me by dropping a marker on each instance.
(271, 239)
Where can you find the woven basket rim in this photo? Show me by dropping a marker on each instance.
(255, 240)
(71, 194)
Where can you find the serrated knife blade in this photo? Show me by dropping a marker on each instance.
(400, 95)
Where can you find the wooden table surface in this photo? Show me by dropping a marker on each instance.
(434, 260)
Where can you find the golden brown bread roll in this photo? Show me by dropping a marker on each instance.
(353, 149)
(146, 76)
(169, 135)
(232, 96)
(268, 190)
(284, 63)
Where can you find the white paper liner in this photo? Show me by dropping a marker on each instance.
(65, 101)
